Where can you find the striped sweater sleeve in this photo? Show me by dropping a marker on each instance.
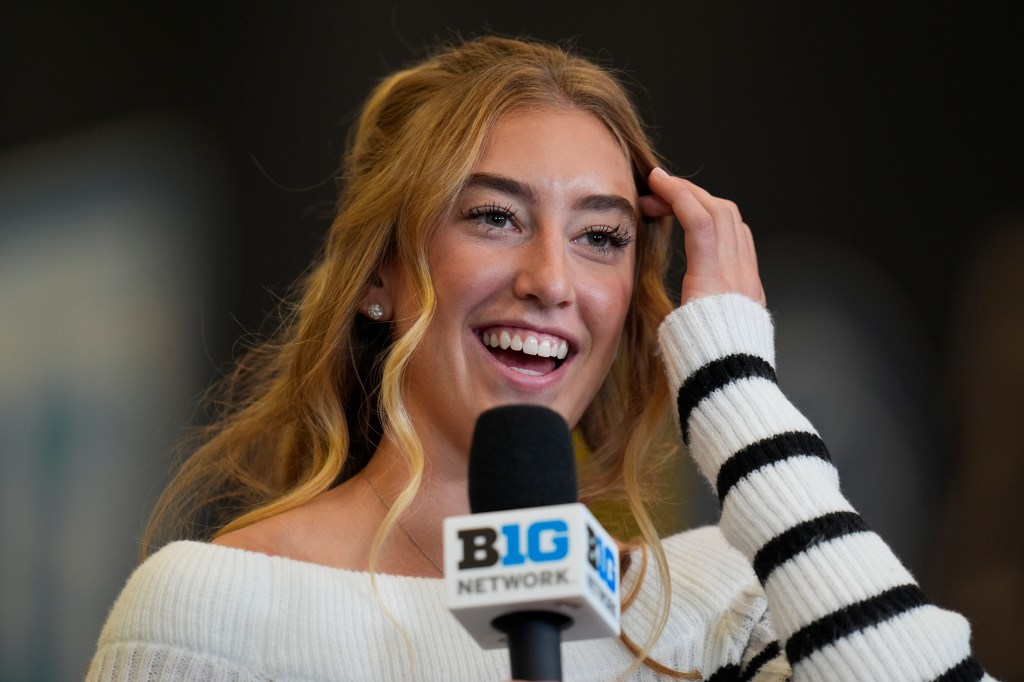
(842, 605)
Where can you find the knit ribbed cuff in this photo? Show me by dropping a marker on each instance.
(713, 327)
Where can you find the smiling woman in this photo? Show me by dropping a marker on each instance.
(501, 238)
(538, 249)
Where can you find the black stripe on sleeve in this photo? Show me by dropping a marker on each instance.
(714, 376)
(853, 618)
(802, 537)
(765, 452)
(757, 662)
(967, 670)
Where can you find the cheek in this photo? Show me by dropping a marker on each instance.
(607, 304)
(465, 278)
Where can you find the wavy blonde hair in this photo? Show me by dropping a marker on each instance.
(306, 411)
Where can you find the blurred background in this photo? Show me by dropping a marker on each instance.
(167, 173)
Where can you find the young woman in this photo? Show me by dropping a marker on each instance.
(502, 237)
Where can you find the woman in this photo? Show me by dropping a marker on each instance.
(501, 237)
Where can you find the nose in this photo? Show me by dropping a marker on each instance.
(544, 271)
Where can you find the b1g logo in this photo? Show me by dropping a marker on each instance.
(539, 542)
(601, 558)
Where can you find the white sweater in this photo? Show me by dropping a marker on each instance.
(841, 605)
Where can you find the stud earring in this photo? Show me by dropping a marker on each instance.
(375, 311)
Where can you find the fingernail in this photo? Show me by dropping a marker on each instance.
(660, 172)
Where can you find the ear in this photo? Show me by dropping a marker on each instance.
(377, 300)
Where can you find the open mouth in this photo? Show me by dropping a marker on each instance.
(529, 353)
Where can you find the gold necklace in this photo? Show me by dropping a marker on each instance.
(402, 527)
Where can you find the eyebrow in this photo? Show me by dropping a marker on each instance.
(590, 202)
(606, 202)
(501, 184)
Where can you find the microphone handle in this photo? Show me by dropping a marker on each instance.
(534, 643)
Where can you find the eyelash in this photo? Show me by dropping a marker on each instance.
(617, 237)
(506, 212)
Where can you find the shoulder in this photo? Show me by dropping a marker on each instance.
(219, 606)
(706, 573)
(187, 606)
(235, 614)
(219, 600)
(717, 611)
(186, 561)
(706, 569)
(330, 530)
(175, 596)
(716, 600)
(269, 536)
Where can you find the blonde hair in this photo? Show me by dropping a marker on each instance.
(302, 413)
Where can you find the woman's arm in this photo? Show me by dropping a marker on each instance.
(842, 604)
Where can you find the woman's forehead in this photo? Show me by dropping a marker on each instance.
(557, 150)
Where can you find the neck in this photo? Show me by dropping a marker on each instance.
(442, 492)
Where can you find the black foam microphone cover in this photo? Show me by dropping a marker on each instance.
(521, 456)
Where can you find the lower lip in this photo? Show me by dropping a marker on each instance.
(526, 381)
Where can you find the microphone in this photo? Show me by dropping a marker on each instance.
(530, 566)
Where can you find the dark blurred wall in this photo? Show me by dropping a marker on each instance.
(870, 145)
(892, 126)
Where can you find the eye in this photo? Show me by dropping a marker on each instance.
(604, 238)
(495, 219)
(492, 216)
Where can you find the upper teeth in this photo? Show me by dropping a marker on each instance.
(545, 347)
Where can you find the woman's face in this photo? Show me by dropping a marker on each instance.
(534, 274)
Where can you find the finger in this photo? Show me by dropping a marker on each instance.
(743, 236)
(699, 237)
(653, 206)
(728, 224)
(737, 254)
(751, 258)
(719, 244)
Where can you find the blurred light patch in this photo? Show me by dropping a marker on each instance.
(108, 248)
